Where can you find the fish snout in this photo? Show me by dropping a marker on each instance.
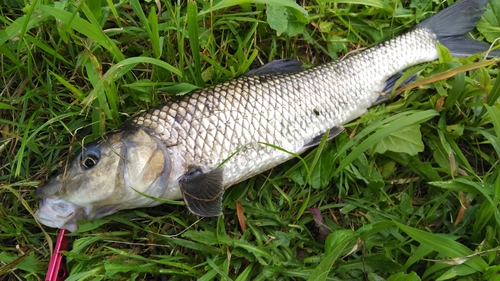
(59, 213)
(49, 189)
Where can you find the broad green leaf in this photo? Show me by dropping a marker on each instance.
(374, 3)
(285, 20)
(286, 3)
(459, 270)
(277, 17)
(206, 237)
(439, 152)
(423, 169)
(465, 185)
(334, 246)
(401, 276)
(367, 231)
(489, 24)
(397, 122)
(371, 263)
(179, 88)
(296, 22)
(406, 205)
(444, 54)
(141, 90)
(407, 140)
(492, 273)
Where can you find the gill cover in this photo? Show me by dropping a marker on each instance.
(104, 177)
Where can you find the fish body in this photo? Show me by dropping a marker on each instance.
(286, 110)
(195, 147)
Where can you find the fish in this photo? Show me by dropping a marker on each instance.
(196, 146)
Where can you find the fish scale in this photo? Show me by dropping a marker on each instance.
(285, 110)
(194, 147)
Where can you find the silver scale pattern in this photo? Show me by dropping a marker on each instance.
(286, 110)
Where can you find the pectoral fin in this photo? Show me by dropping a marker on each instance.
(202, 192)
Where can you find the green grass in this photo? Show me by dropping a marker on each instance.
(409, 191)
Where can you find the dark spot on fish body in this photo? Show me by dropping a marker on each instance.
(316, 112)
(177, 118)
(262, 79)
(209, 107)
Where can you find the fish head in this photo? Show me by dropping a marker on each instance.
(105, 176)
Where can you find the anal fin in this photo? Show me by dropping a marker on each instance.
(390, 84)
(203, 192)
(316, 140)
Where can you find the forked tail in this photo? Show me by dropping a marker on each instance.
(451, 24)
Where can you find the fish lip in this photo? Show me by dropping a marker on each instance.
(59, 213)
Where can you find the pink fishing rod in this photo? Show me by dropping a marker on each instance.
(57, 270)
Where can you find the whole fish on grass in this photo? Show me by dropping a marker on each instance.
(195, 147)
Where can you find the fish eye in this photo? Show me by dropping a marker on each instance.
(90, 157)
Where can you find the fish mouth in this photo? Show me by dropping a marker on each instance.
(60, 213)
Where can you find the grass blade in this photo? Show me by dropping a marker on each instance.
(445, 246)
(90, 29)
(194, 44)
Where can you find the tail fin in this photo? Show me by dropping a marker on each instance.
(452, 23)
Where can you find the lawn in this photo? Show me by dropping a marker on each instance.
(409, 191)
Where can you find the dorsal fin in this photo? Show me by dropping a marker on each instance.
(277, 66)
